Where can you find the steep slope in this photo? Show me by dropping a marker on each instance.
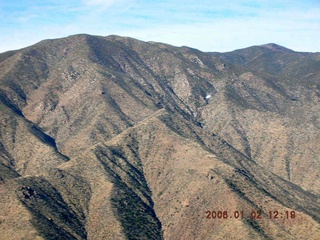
(274, 116)
(114, 138)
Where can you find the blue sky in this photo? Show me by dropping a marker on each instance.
(206, 25)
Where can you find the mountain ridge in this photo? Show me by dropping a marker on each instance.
(112, 137)
(270, 45)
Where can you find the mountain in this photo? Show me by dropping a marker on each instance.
(115, 138)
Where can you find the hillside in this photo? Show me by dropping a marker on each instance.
(115, 138)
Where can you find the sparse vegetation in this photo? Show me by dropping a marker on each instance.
(114, 138)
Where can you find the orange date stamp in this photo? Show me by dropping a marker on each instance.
(254, 214)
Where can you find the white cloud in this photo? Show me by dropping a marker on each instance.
(207, 25)
(228, 34)
(103, 3)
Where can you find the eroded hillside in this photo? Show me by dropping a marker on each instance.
(114, 138)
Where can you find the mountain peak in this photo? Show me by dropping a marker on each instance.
(116, 138)
(276, 47)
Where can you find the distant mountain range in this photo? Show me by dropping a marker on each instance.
(115, 138)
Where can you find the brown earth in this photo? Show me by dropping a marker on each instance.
(115, 138)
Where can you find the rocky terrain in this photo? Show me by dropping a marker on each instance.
(115, 138)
